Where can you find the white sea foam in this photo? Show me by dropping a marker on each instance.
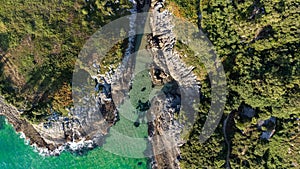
(22, 136)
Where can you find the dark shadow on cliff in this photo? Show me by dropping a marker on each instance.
(4, 42)
(6, 85)
(45, 80)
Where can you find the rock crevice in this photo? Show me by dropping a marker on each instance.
(166, 128)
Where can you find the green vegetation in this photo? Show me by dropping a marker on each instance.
(39, 42)
(114, 56)
(258, 42)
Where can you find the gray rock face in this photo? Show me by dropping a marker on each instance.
(87, 124)
(21, 125)
(84, 128)
(167, 129)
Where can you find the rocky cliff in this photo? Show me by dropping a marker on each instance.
(83, 129)
(180, 90)
(86, 125)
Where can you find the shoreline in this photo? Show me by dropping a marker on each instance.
(39, 138)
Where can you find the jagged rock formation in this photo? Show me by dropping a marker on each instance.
(21, 125)
(88, 124)
(85, 127)
(183, 89)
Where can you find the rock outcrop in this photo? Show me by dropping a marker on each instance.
(87, 124)
(178, 96)
(21, 125)
(84, 128)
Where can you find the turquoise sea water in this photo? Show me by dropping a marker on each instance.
(125, 139)
(15, 154)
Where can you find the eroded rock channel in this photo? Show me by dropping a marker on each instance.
(86, 127)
